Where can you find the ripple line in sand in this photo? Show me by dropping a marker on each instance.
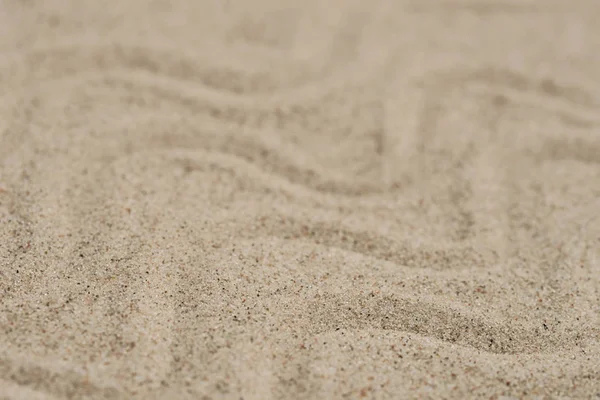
(236, 168)
(68, 384)
(301, 123)
(516, 86)
(500, 89)
(222, 74)
(224, 117)
(496, 7)
(333, 311)
(74, 58)
(368, 243)
(10, 390)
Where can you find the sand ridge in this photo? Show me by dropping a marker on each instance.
(273, 199)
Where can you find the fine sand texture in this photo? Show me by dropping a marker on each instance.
(284, 199)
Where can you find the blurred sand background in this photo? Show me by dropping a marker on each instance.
(275, 199)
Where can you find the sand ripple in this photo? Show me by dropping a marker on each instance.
(283, 200)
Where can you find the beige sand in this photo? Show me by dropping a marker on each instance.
(275, 199)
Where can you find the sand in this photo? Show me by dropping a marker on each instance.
(274, 199)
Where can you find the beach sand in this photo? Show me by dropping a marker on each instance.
(275, 199)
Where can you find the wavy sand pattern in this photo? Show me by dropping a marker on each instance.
(276, 199)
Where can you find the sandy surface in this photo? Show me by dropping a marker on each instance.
(274, 199)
